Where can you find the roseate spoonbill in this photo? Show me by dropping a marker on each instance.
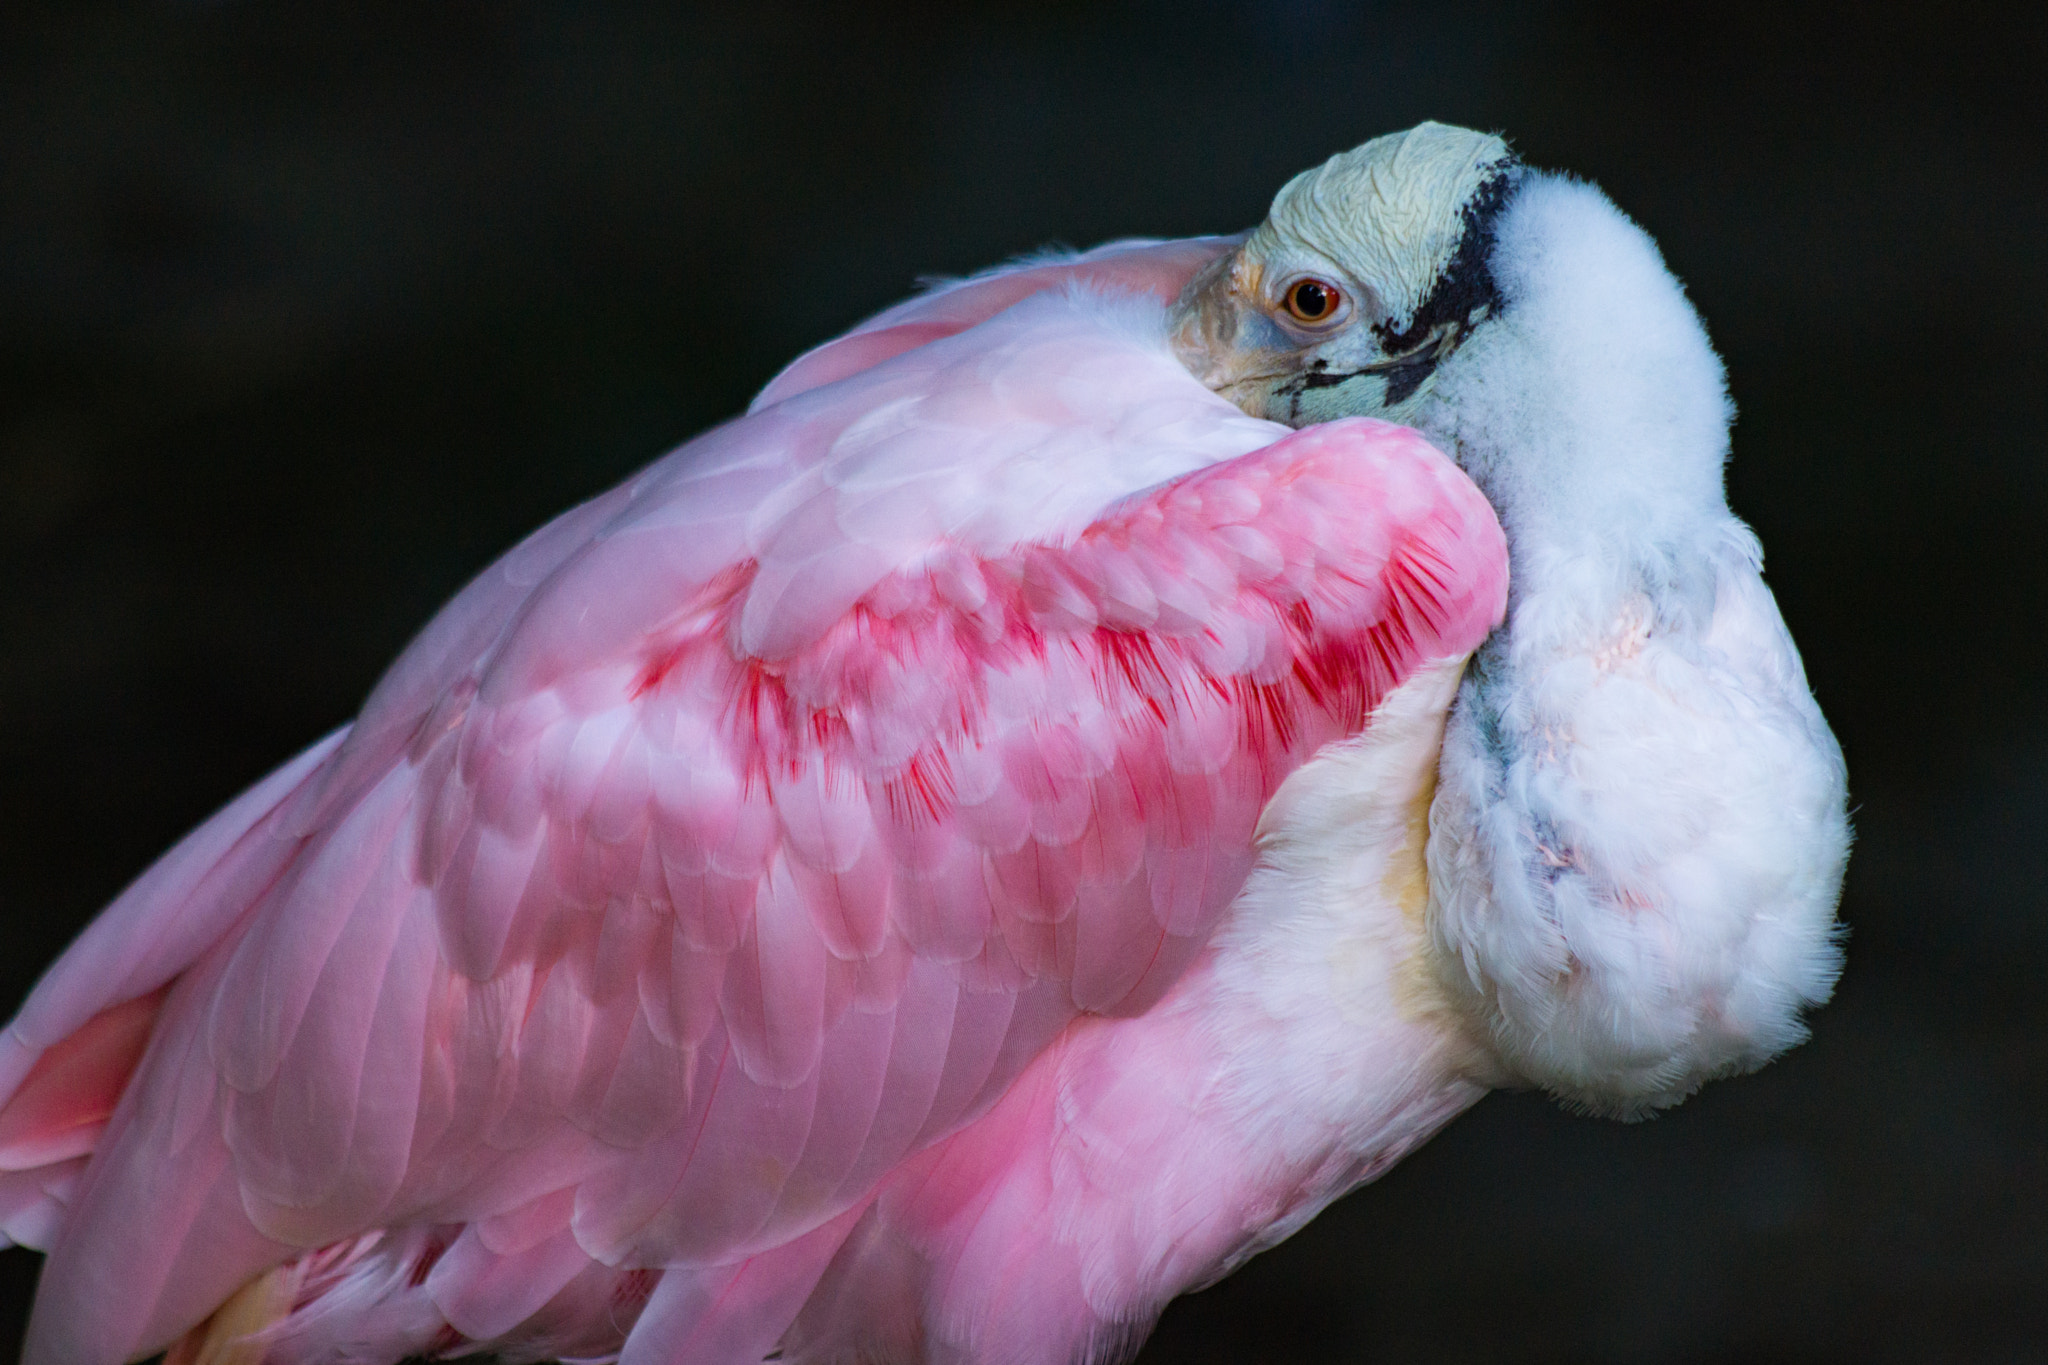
(986, 841)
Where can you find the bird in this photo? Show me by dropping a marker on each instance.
(1096, 763)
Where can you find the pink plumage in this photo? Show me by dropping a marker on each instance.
(693, 945)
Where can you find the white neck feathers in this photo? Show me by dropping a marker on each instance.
(1639, 835)
(1592, 411)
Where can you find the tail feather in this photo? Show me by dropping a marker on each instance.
(67, 1059)
(34, 1203)
(65, 1100)
(52, 1122)
(165, 920)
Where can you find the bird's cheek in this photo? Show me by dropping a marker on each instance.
(1256, 379)
(1257, 395)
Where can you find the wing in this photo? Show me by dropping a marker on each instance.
(1137, 266)
(751, 828)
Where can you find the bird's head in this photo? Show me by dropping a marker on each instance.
(1515, 316)
(1369, 271)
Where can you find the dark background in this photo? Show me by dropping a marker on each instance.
(307, 310)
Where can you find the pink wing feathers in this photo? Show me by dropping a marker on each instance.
(1135, 266)
(738, 836)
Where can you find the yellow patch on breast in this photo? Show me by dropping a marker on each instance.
(1419, 992)
(233, 1334)
(1406, 881)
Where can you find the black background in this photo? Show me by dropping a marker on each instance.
(307, 310)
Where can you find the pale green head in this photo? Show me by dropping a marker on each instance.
(1368, 271)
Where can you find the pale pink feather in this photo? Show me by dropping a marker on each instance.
(736, 839)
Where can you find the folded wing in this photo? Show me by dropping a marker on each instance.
(746, 831)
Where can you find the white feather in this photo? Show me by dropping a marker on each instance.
(1638, 841)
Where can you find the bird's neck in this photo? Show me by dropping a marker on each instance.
(1593, 413)
(1637, 833)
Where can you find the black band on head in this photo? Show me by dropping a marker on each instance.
(1465, 290)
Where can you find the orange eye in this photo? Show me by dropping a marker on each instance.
(1313, 300)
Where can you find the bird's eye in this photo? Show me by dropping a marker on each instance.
(1312, 301)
